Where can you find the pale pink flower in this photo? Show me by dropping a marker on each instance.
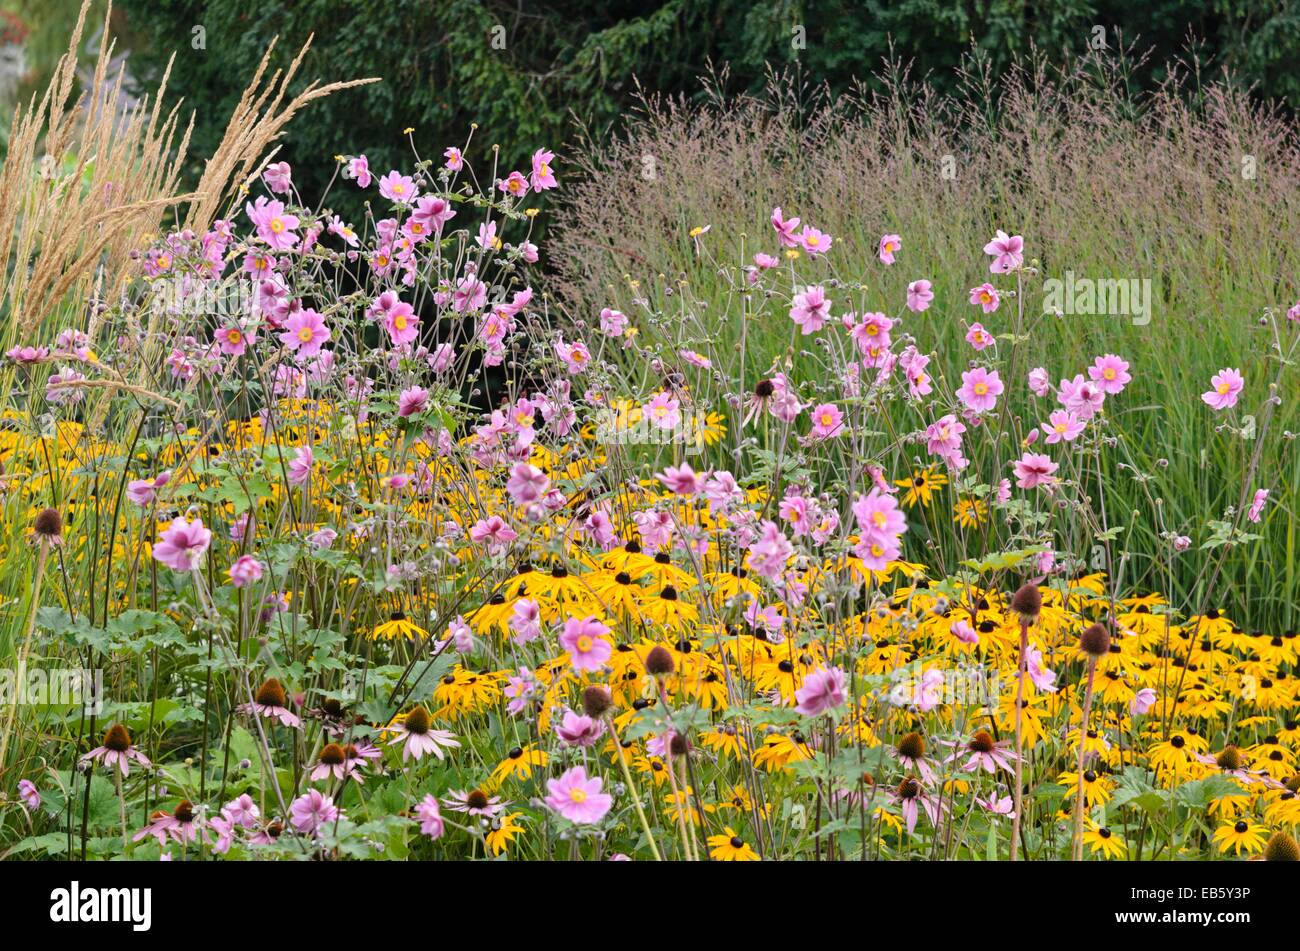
(578, 798)
(919, 296)
(527, 483)
(811, 309)
(785, 228)
(577, 730)
(143, 491)
(827, 421)
(1257, 505)
(985, 296)
(542, 177)
(681, 480)
(305, 332)
(182, 546)
(411, 401)
(890, 244)
(1063, 425)
(430, 817)
(312, 810)
(663, 411)
(245, 570)
(1143, 701)
(1110, 373)
(398, 187)
(1039, 382)
(1228, 384)
(1034, 469)
(300, 466)
(585, 640)
(980, 389)
(822, 691)
(814, 242)
(1007, 252)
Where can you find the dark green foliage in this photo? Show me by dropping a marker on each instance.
(523, 72)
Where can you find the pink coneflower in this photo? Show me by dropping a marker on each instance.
(1228, 384)
(984, 753)
(271, 702)
(398, 187)
(577, 798)
(912, 797)
(1110, 373)
(116, 750)
(300, 466)
(182, 546)
(890, 244)
(811, 309)
(474, 802)
(822, 691)
(980, 389)
(311, 811)
(305, 332)
(143, 491)
(919, 296)
(1034, 469)
(681, 480)
(578, 730)
(417, 736)
(985, 296)
(180, 825)
(333, 761)
(1257, 505)
(585, 641)
(1007, 252)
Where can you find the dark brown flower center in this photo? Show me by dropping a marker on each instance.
(1230, 758)
(271, 694)
(184, 811)
(333, 755)
(477, 799)
(981, 742)
(417, 721)
(117, 739)
(912, 746)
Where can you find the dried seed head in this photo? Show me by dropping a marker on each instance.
(679, 745)
(1027, 602)
(48, 523)
(1095, 641)
(595, 701)
(659, 661)
(271, 694)
(1281, 848)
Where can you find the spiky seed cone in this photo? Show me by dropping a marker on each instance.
(184, 811)
(271, 694)
(659, 661)
(912, 746)
(1027, 602)
(333, 755)
(1095, 641)
(1229, 758)
(595, 701)
(117, 738)
(48, 523)
(1281, 848)
(417, 721)
(679, 745)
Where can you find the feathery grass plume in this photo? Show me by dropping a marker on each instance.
(258, 120)
(83, 183)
